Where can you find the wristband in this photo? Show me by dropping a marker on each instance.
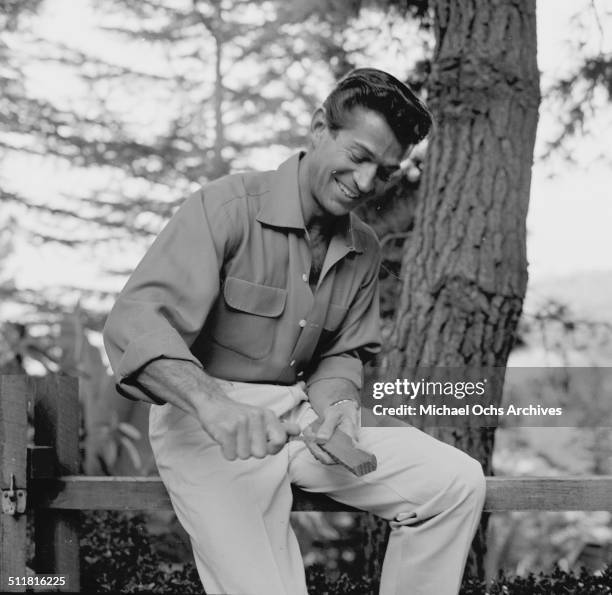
(346, 400)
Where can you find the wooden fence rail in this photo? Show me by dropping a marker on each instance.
(44, 480)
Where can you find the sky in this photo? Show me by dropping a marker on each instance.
(570, 208)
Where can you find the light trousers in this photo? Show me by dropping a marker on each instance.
(237, 512)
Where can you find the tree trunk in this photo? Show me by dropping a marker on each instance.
(465, 267)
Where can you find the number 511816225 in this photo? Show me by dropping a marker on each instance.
(38, 580)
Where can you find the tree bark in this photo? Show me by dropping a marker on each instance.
(465, 267)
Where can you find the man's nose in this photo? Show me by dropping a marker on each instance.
(365, 177)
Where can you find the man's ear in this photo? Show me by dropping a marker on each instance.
(318, 125)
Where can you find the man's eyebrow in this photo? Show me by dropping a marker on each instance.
(373, 157)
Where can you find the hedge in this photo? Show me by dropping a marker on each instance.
(117, 556)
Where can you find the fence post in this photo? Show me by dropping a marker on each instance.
(56, 424)
(13, 450)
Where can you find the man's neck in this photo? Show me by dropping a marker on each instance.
(321, 226)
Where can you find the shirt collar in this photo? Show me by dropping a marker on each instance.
(281, 207)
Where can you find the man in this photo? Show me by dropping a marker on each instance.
(251, 316)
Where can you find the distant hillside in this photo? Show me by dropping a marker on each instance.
(588, 297)
(588, 294)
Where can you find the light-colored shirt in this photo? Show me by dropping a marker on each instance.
(226, 286)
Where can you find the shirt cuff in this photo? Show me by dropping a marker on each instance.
(339, 366)
(162, 343)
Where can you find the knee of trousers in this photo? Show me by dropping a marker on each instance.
(457, 487)
(458, 483)
(469, 484)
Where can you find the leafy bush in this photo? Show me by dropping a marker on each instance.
(566, 583)
(321, 582)
(117, 555)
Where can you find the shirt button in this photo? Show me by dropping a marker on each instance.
(292, 363)
(305, 277)
(300, 374)
(302, 323)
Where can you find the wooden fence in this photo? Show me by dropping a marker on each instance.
(44, 479)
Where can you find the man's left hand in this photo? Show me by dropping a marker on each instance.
(343, 415)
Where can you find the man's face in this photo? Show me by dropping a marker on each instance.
(351, 165)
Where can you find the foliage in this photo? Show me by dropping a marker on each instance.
(223, 79)
(324, 583)
(558, 581)
(578, 95)
(118, 555)
(584, 91)
(12, 10)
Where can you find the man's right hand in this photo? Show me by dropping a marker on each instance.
(244, 431)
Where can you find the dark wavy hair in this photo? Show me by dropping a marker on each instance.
(370, 88)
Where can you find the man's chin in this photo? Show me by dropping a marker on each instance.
(337, 206)
(339, 211)
(343, 206)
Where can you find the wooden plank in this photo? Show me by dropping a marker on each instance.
(503, 494)
(56, 424)
(133, 493)
(83, 492)
(549, 493)
(13, 443)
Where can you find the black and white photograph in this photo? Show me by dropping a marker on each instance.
(306, 297)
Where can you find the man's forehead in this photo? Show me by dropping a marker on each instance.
(369, 131)
(393, 161)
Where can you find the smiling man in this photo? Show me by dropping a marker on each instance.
(250, 317)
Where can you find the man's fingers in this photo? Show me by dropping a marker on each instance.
(327, 428)
(310, 438)
(351, 428)
(292, 429)
(244, 431)
(259, 436)
(276, 433)
(228, 445)
(243, 440)
(319, 453)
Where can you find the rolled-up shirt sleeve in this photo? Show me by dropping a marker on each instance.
(166, 301)
(359, 337)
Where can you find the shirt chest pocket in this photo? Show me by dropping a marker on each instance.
(247, 322)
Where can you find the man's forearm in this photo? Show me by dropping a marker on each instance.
(241, 430)
(326, 391)
(180, 383)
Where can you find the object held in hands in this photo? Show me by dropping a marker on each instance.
(341, 449)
